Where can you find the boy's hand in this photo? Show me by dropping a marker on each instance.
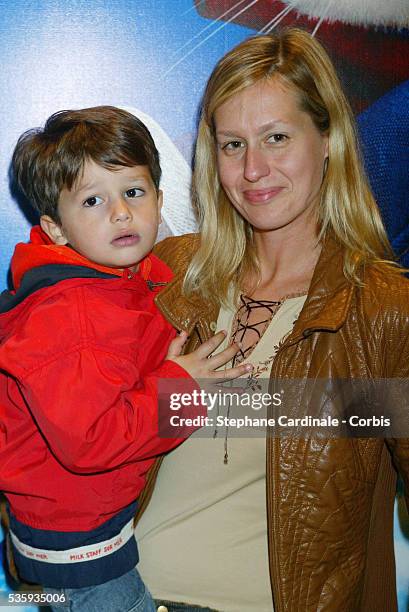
(201, 364)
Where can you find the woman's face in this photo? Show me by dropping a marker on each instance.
(270, 157)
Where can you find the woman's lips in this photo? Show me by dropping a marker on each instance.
(126, 240)
(259, 196)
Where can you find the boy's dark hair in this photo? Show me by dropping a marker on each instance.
(47, 160)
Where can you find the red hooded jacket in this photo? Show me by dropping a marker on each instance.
(81, 350)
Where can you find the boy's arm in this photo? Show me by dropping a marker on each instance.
(88, 373)
(99, 414)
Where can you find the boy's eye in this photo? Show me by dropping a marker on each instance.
(134, 192)
(92, 201)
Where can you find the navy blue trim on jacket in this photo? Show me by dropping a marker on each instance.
(46, 276)
(75, 575)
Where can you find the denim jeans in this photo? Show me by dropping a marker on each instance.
(173, 606)
(124, 594)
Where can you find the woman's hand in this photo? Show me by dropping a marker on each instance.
(201, 364)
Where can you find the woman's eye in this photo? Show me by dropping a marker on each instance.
(135, 192)
(92, 201)
(232, 146)
(277, 138)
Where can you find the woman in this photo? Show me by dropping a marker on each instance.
(293, 260)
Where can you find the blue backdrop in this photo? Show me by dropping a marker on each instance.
(155, 56)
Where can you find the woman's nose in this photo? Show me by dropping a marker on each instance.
(255, 164)
(120, 211)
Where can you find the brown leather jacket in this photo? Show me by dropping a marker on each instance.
(329, 502)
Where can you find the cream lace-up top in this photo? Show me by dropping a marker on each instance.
(203, 538)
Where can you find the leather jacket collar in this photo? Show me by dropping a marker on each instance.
(326, 306)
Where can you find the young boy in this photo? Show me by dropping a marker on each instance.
(82, 347)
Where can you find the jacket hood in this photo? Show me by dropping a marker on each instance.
(41, 263)
(41, 251)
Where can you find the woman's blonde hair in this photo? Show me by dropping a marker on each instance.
(346, 206)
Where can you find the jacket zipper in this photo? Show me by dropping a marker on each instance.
(151, 284)
(128, 273)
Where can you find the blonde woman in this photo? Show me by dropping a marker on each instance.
(294, 261)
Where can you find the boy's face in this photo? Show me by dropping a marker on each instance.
(109, 216)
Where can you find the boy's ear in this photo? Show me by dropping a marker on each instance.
(160, 203)
(53, 230)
